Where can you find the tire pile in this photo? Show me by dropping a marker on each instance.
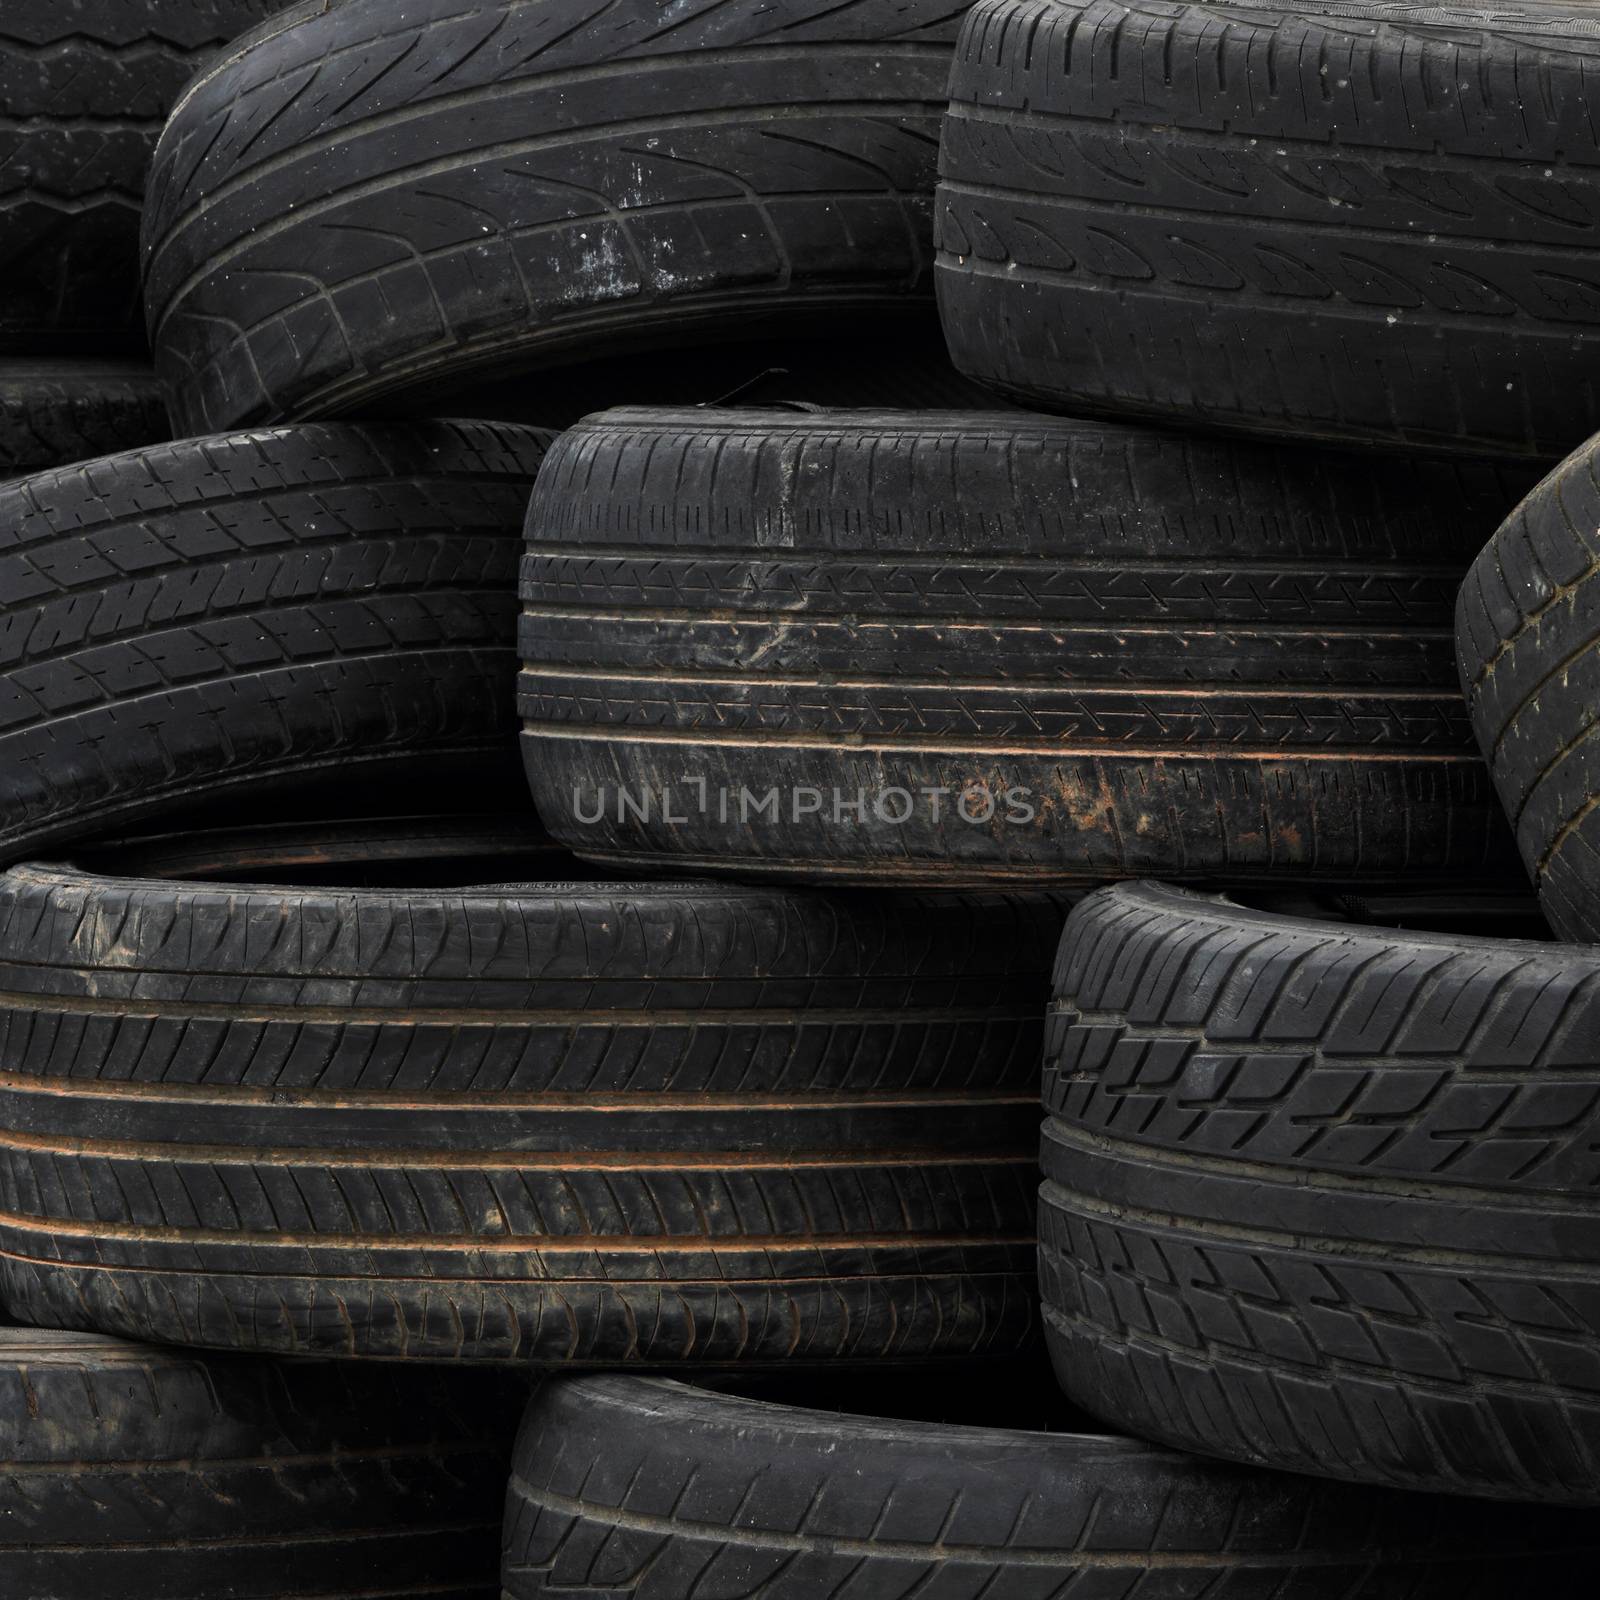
(1031, 533)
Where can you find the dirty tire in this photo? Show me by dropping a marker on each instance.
(547, 1124)
(1323, 1198)
(56, 412)
(222, 622)
(85, 86)
(160, 1475)
(1187, 657)
(651, 1490)
(332, 223)
(1528, 632)
(1266, 217)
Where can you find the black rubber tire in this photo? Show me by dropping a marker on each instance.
(548, 1124)
(158, 1475)
(1528, 633)
(637, 1488)
(377, 851)
(1327, 1198)
(85, 86)
(329, 226)
(53, 413)
(1371, 221)
(874, 602)
(220, 621)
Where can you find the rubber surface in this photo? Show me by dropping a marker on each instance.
(1367, 220)
(1528, 633)
(85, 86)
(160, 1475)
(56, 412)
(1323, 1198)
(1181, 656)
(368, 201)
(539, 1123)
(222, 622)
(650, 1490)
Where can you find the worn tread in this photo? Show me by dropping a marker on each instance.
(57, 412)
(1368, 221)
(357, 204)
(258, 614)
(160, 1475)
(639, 1489)
(1200, 658)
(1321, 1197)
(1528, 637)
(539, 1123)
(85, 87)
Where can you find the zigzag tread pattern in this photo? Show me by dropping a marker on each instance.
(84, 92)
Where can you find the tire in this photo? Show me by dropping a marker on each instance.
(872, 604)
(545, 1124)
(641, 1488)
(328, 229)
(158, 1475)
(226, 622)
(85, 86)
(1375, 224)
(1528, 634)
(1323, 1198)
(57, 412)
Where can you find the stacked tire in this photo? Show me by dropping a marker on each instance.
(84, 91)
(558, 916)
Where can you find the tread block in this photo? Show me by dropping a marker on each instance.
(1371, 224)
(949, 646)
(1321, 1197)
(544, 1124)
(272, 613)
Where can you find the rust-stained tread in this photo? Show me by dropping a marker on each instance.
(85, 86)
(560, 1123)
(1373, 220)
(242, 621)
(1528, 633)
(362, 201)
(804, 645)
(639, 1488)
(1324, 1198)
(154, 1474)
